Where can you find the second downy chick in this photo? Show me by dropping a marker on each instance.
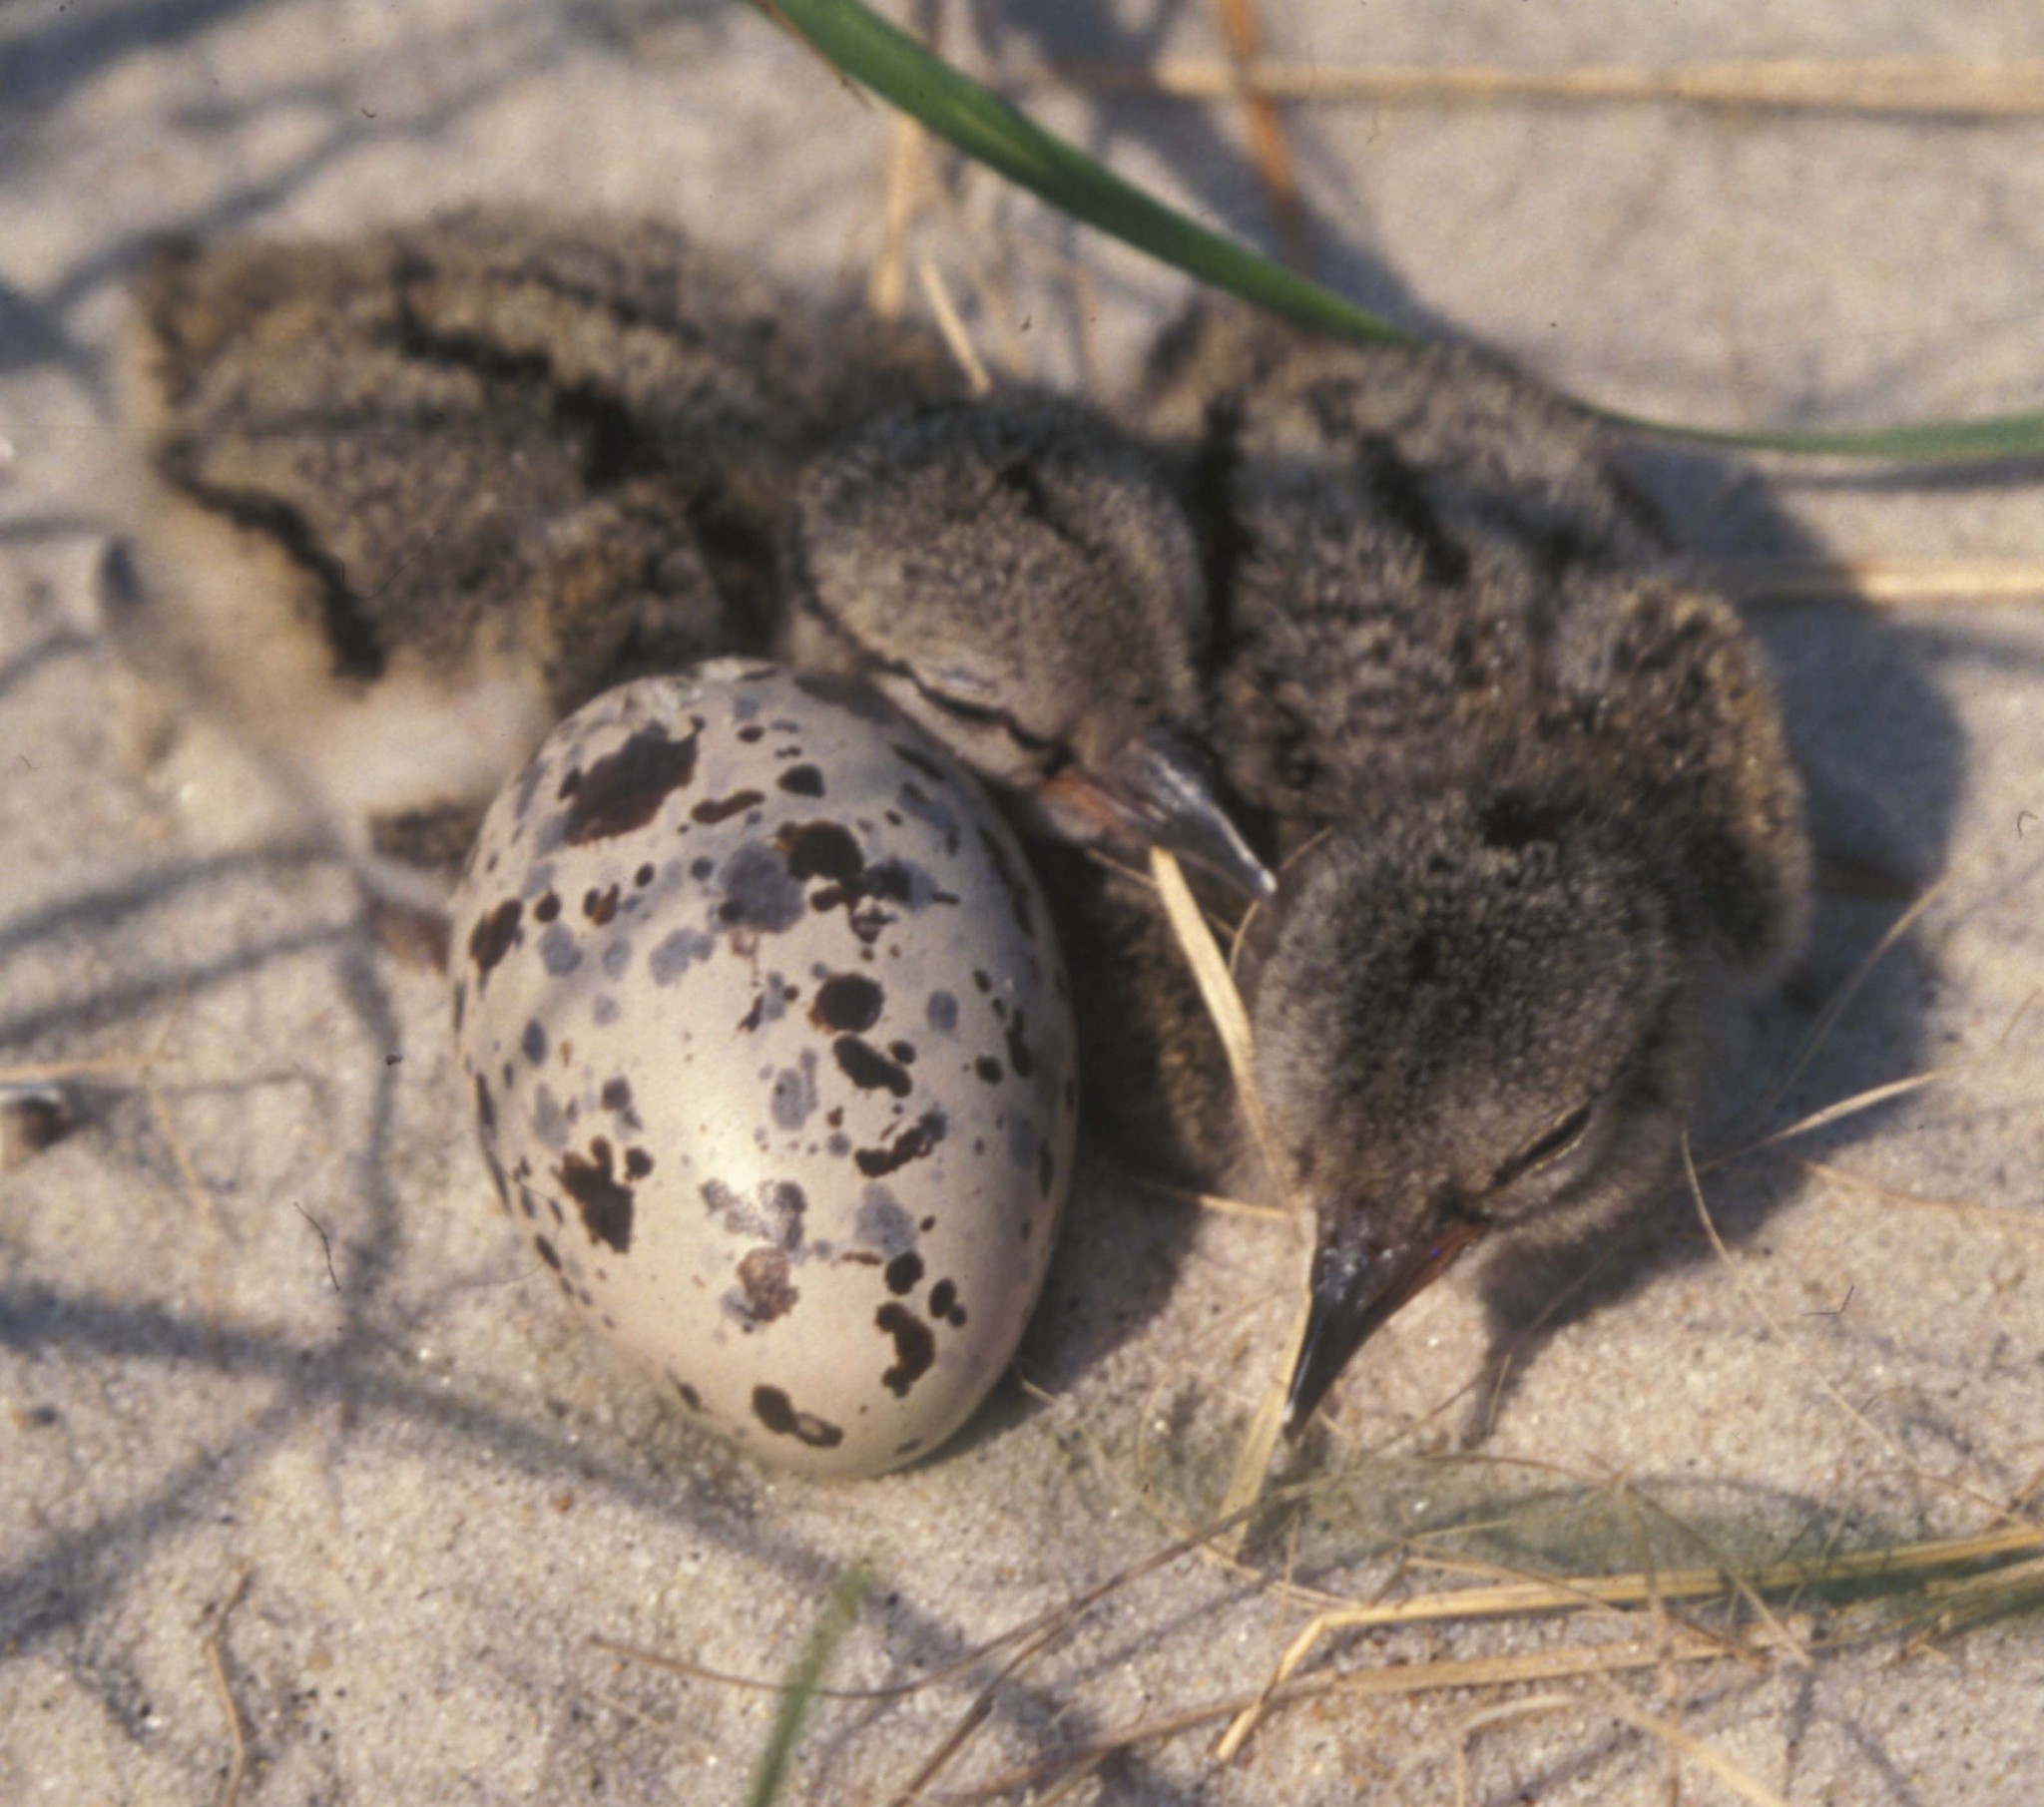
(1538, 795)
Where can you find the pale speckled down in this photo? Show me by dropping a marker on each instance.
(772, 1051)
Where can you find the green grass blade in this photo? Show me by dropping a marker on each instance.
(1921, 442)
(801, 1684)
(983, 125)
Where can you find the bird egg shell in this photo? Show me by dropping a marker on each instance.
(771, 1045)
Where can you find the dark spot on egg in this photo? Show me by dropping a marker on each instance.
(701, 866)
(605, 1202)
(643, 876)
(497, 1177)
(1019, 1057)
(881, 1224)
(943, 1295)
(774, 1214)
(601, 906)
(904, 1052)
(916, 1349)
(982, 981)
(624, 790)
(638, 1163)
(793, 1096)
(763, 1277)
(546, 1253)
(557, 949)
(869, 1069)
(759, 892)
(460, 1003)
(776, 1412)
(847, 1003)
(485, 1105)
(494, 936)
(617, 1094)
(548, 907)
(989, 1068)
(677, 953)
(712, 811)
(912, 1143)
(533, 1044)
(903, 1272)
(689, 1397)
(941, 1011)
(820, 850)
(801, 782)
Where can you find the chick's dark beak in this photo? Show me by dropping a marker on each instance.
(1359, 1286)
(1159, 790)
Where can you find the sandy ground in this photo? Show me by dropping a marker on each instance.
(289, 1419)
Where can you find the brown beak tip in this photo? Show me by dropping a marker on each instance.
(1355, 1297)
(1164, 788)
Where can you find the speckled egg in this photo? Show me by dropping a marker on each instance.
(772, 1051)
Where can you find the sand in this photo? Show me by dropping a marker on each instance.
(288, 1418)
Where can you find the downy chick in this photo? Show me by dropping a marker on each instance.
(409, 498)
(1020, 579)
(1541, 808)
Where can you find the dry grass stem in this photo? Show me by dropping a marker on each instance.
(55, 1072)
(238, 1761)
(1760, 1310)
(975, 1717)
(1216, 1201)
(957, 340)
(1838, 1113)
(1231, 1021)
(888, 287)
(2000, 1218)
(1683, 1743)
(1746, 1590)
(1269, 147)
(1975, 1598)
(1532, 1706)
(2011, 88)
(1033, 1635)
(1218, 992)
(1913, 582)
(1394, 1680)
(1841, 1000)
(1525, 1598)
